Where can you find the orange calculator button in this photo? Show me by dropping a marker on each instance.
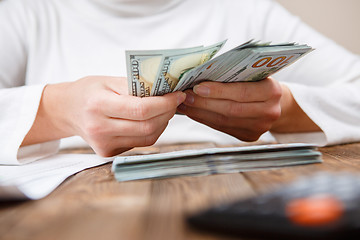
(315, 210)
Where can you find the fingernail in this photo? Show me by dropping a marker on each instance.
(181, 97)
(189, 99)
(201, 90)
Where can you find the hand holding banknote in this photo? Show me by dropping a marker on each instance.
(98, 109)
(244, 110)
(238, 96)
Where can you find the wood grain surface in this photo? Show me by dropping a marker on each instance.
(93, 205)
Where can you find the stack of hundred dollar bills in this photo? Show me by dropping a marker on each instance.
(157, 72)
(213, 160)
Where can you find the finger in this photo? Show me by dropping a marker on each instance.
(243, 129)
(109, 146)
(136, 128)
(133, 141)
(231, 108)
(216, 119)
(135, 108)
(240, 91)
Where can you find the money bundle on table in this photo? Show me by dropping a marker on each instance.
(213, 160)
(157, 72)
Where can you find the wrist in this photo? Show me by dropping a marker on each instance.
(55, 108)
(292, 119)
(51, 119)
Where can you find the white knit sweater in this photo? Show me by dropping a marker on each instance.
(51, 41)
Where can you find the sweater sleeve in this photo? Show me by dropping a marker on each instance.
(325, 83)
(18, 103)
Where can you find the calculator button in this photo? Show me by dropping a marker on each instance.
(315, 210)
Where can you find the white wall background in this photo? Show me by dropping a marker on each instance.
(337, 19)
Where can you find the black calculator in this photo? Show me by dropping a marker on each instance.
(321, 206)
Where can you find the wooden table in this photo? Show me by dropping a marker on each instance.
(92, 205)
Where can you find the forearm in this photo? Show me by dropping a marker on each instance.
(292, 119)
(50, 122)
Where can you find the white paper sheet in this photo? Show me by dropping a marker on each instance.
(37, 179)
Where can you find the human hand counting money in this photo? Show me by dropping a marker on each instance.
(99, 110)
(245, 110)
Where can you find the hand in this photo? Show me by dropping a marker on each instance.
(244, 110)
(100, 111)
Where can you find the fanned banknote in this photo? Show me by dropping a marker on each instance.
(157, 72)
(213, 161)
(143, 68)
(176, 64)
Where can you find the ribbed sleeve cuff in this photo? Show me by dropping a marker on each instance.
(20, 108)
(331, 109)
